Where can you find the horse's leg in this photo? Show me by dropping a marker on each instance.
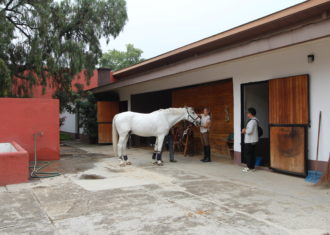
(160, 140)
(120, 146)
(124, 150)
(154, 161)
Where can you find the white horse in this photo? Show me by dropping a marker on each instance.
(157, 124)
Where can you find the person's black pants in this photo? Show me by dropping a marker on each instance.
(250, 155)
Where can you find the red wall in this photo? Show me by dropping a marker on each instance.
(80, 78)
(112, 78)
(21, 118)
(14, 166)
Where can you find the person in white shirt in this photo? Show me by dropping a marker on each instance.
(204, 129)
(250, 139)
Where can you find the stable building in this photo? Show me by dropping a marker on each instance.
(278, 64)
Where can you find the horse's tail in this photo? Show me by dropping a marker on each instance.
(114, 136)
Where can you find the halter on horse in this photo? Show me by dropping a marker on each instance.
(157, 124)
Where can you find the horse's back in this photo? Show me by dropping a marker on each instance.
(127, 115)
(131, 115)
(137, 123)
(123, 117)
(125, 120)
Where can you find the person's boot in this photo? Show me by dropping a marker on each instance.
(205, 154)
(208, 154)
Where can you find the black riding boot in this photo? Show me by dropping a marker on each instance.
(205, 154)
(208, 154)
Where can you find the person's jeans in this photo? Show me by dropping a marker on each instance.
(250, 155)
(169, 140)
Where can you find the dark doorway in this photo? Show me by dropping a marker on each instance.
(256, 95)
(123, 106)
(149, 102)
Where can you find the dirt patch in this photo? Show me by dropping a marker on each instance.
(74, 160)
(70, 151)
(70, 165)
(91, 177)
(40, 187)
(73, 164)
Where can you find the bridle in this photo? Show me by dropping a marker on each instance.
(195, 120)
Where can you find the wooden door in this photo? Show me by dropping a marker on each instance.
(289, 118)
(218, 96)
(288, 148)
(106, 110)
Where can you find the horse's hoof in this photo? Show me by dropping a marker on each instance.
(160, 163)
(122, 164)
(128, 163)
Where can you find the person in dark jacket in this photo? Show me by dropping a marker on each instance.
(250, 139)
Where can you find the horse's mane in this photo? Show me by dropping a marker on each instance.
(171, 110)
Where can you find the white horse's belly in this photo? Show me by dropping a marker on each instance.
(144, 126)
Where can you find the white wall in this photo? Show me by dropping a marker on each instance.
(287, 62)
(69, 123)
(274, 64)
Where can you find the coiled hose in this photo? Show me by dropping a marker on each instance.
(36, 168)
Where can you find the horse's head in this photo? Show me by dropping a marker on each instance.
(191, 116)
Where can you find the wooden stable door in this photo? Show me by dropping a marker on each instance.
(218, 96)
(106, 110)
(288, 120)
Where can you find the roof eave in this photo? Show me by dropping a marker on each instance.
(286, 18)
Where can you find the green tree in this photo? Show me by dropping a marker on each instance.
(86, 106)
(117, 60)
(5, 80)
(47, 42)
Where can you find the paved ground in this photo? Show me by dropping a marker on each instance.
(95, 196)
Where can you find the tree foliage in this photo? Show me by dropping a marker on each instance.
(86, 106)
(5, 80)
(117, 60)
(47, 42)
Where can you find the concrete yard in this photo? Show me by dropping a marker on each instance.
(95, 196)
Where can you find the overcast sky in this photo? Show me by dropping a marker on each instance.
(158, 26)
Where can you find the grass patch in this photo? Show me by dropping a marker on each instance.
(65, 136)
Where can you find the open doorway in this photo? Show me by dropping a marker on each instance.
(256, 95)
(123, 106)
